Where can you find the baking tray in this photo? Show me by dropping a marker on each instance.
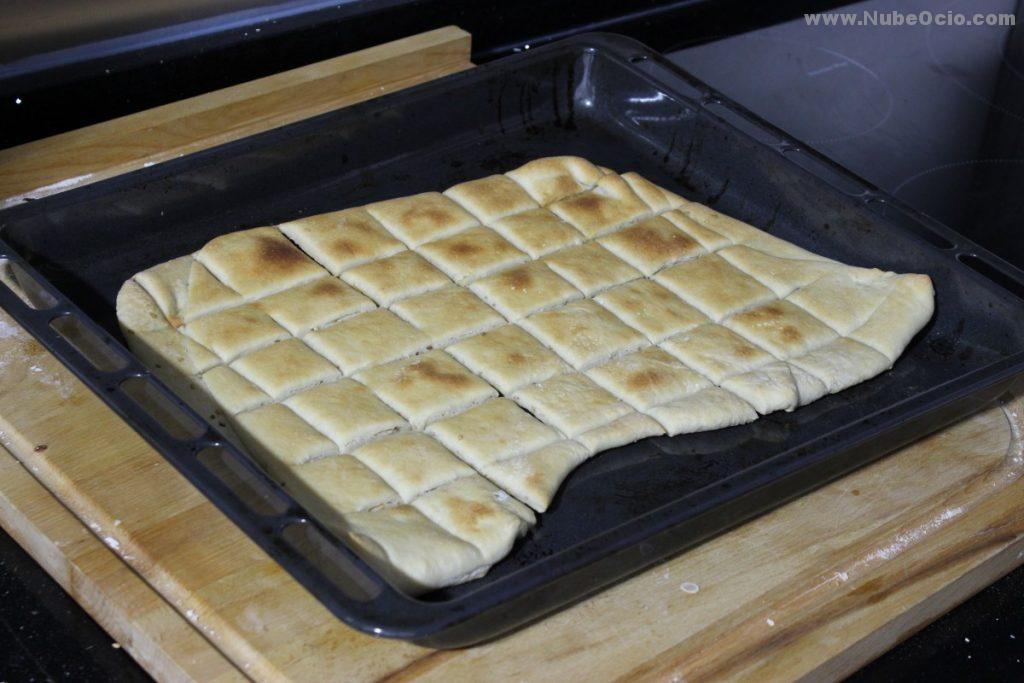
(621, 105)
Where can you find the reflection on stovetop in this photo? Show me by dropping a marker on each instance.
(932, 114)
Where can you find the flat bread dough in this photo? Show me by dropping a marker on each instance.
(422, 373)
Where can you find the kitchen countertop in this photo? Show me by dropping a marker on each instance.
(985, 636)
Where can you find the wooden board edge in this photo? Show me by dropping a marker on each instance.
(41, 525)
(415, 59)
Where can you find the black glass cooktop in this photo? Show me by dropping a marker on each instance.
(932, 114)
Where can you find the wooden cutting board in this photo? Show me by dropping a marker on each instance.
(813, 589)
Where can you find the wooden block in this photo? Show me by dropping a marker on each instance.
(121, 601)
(83, 156)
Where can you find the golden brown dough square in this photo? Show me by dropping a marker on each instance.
(396, 277)
(411, 463)
(314, 304)
(583, 333)
(658, 198)
(572, 402)
(782, 328)
(648, 377)
(715, 351)
(413, 552)
(550, 179)
(705, 236)
(537, 232)
(346, 412)
(591, 268)
(232, 391)
(475, 510)
(652, 244)
(421, 217)
(647, 306)
(492, 197)
(258, 262)
(713, 286)
(426, 387)
(285, 367)
(626, 429)
(367, 339)
(448, 314)
(342, 239)
(767, 388)
(337, 484)
(711, 408)
(493, 431)
(781, 275)
(508, 358)
(472, 254)
(279, 438)
(235, 331)
(611, 204)
(534, 477)
(525, 289)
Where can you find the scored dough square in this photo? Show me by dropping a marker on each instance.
(611, 204)
(477, 511)
(278, 437)
(472, 254)
(258, 262)
(337, 484)
(493, 431)
(583, 333)
(550, 179)
(367, 339)
(716, 351)
(782, 328)
(648, 377)
(448, 314)
(537, 232)
(833, 300)
(232, 391)
(508, 358)
(647, 306)
(591, 267)
(422, 217)
(652, 244)
(522, 290)
(412, 463)
(284, 367)
(781, 275)
(235, 331)
(411, 551)
(572, 402)
(184, 289)
(711, 408)
(427, 387)
(534, 477)
(492, 197)
(314, 304)
(712, 285)
(626, 429)
(346, 412)
(402, 275)
(658, 198)
(767, 388)
(843, 363)
(706, 237)
(342, 239)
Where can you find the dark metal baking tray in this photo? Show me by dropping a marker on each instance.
(623, 106)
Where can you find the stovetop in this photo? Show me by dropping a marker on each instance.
(932, 114)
